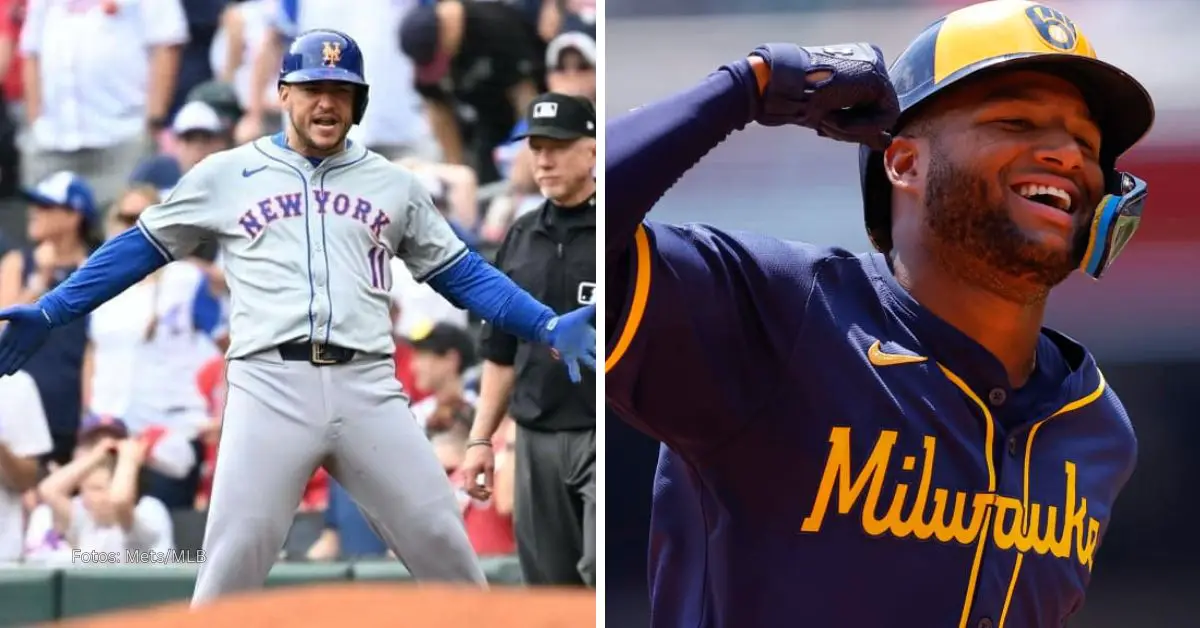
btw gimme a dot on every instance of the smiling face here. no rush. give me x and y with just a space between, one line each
320 115
1003 177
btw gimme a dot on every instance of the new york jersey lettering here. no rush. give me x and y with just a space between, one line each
291 205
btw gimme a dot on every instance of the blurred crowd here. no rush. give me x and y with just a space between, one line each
109 436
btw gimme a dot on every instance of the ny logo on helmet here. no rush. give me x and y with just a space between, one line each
1056 29
331 51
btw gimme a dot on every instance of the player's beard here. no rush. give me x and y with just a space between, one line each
977 239
318 148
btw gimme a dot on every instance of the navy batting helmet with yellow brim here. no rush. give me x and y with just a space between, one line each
1006 35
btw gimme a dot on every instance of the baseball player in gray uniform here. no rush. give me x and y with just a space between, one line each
306 223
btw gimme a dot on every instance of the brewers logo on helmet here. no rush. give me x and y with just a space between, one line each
326 55
1006 35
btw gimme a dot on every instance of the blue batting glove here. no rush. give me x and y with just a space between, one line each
573 337
27 329
841 91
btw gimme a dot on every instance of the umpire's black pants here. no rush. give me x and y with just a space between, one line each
554 514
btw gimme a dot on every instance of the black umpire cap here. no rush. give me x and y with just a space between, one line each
560 117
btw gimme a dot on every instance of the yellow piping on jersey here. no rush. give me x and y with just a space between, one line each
641 293
1074 405
990 435
1012 585
990 439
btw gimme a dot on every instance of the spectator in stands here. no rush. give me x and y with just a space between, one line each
24 437
100 78
479 64
242 34
203 19
199 132
210 381
42 543
562 16
160 172
196 132
117 329
396 129
455 192
347 535
489 521
108 514
223 99
146 346
570 70
12 17
440 357
61 217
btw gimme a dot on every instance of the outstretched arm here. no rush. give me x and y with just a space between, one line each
168 231
651 147
436 256
118 264
115 266
477 286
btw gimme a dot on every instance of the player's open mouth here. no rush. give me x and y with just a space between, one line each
1048 195
328 123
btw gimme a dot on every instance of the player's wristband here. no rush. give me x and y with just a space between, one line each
482 442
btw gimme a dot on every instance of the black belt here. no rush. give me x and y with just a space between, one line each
315 353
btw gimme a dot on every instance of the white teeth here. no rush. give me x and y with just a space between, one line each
1030 190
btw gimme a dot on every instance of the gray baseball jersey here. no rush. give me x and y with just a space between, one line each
305 248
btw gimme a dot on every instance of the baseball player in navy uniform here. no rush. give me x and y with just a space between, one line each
889 438
306 224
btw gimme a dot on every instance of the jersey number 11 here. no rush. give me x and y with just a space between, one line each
381 272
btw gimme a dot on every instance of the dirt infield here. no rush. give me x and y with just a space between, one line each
369 605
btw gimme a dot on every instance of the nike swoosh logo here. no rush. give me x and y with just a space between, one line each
246 172
877 357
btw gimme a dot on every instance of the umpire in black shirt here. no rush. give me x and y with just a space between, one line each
550 252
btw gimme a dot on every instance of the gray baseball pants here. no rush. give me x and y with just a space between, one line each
282 420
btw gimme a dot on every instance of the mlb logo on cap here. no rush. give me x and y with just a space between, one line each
560 117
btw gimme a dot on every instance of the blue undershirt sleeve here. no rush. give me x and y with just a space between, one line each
477 286
114 267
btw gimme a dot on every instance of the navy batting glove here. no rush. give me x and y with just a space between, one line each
573 337
27 329
842 91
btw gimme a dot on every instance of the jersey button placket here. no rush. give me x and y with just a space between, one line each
318 277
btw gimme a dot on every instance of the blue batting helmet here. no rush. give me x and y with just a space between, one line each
326 55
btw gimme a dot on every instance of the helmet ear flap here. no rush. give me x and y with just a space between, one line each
360 103
877 199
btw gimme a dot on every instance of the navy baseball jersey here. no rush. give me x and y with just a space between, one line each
836 455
